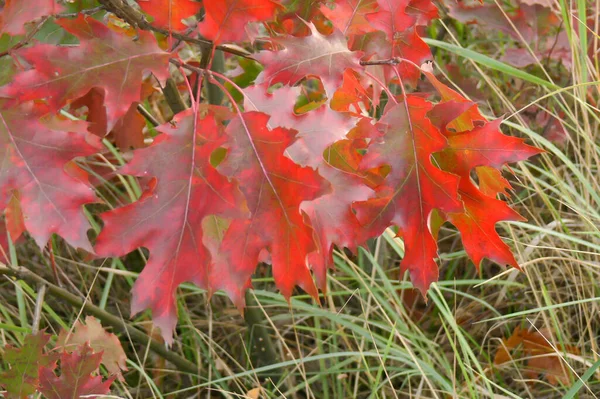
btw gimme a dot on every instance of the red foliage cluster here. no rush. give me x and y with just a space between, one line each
299 166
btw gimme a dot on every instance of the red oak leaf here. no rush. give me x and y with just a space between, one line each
477 225
326 212
392 17
76 379
274 187
103 59
16 13
423 11
167 219
483 146
36 159
350 16
413 188
225 20
326 57
317 129
168 14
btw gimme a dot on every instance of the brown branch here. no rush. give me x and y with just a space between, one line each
391 61
136 19
106 318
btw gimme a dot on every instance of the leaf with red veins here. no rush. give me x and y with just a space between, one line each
483 148
317 129
76 376
225 20
413 188
36 162
326 57
349 16
168 14
103 59
407 45
331 215
16 13
274 187
392 18
167 219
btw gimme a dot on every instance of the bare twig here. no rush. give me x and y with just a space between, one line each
88 11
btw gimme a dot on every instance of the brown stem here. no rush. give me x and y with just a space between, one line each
391 61
106 318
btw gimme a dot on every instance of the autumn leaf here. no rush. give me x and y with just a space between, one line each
326 57
93 334
274 187
22 378
539 355
103 59
225 20
483 148
167 219
37 163
391 18
350 16
327 212
317 129
17 13
76 379
413 188
168 14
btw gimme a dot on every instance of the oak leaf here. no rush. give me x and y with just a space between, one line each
99 340
167 219
274 187
103 59
22 378
225 20
17 13
37 163
413 188
326 57
76 379
168 14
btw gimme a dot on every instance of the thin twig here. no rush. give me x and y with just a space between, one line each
88 11
106 318
146 114
136 19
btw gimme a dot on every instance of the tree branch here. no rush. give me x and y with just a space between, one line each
136 19
106 318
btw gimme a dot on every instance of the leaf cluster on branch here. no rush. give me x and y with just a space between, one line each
329 145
